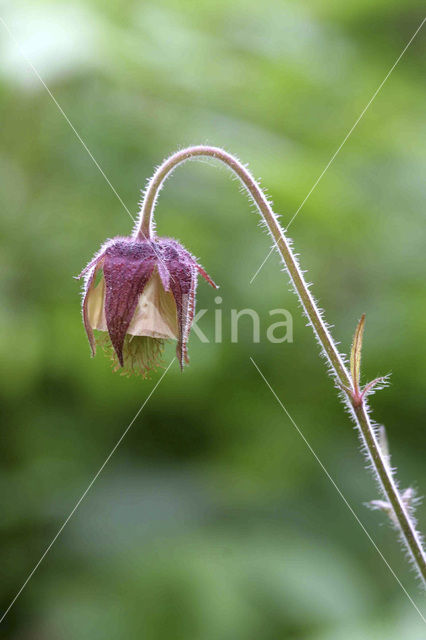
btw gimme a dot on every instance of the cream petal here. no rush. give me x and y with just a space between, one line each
155 314
96 306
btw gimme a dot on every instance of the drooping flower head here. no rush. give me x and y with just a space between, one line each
140 292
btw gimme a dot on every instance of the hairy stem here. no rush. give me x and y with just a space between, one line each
145 229
406 527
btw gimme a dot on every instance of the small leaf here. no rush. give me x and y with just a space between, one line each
370 386
356 353
383 443
379 505
382 505
409 498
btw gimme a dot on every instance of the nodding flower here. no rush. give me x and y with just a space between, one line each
140 293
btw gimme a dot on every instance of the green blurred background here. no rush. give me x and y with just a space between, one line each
212 521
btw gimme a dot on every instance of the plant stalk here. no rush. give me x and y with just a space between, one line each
145 229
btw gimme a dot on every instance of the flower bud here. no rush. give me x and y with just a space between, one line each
140 293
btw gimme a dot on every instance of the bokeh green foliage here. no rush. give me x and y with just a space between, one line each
212 520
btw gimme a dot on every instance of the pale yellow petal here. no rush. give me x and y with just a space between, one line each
155 314
96 306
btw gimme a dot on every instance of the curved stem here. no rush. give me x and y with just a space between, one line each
145 229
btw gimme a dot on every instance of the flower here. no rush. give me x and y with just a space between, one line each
140 293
